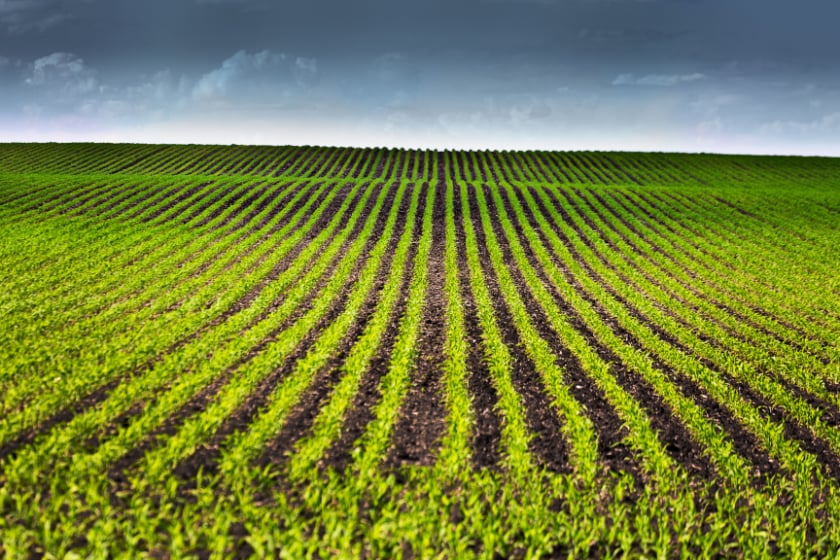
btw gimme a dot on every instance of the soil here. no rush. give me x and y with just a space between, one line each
300 420
173 201
487 432
676 438
103 392
687 386
744 442
81 198
361 411
206 456
422 418
548 444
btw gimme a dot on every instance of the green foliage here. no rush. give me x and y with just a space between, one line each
210 351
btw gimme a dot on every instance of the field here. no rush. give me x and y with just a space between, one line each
231 351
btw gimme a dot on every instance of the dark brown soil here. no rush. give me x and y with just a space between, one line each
134 210
37 194
136 161
302 154
74 204
421 421
361 411
251 226
677 440
245 166
752 450
396 163
548 444
631 243
300 420
619 169
487 432
794 345
102 392
831 413
556 170
172 201
271 201
423 413
361 163
337 164
263 161
240 204
105 206
411 166
319 164
661 202
206 456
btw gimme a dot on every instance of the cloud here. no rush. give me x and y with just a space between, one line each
526 113
63 74
829 123
19 16
62 87
152 98
260 76
656 80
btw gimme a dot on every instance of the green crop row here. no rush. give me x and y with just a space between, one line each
211 351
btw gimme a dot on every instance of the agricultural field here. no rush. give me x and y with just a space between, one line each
226 351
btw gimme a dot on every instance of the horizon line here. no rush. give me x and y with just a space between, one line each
427 148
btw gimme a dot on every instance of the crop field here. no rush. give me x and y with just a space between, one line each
226 351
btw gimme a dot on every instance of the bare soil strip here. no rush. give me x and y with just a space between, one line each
654 281
745 442
104 391
831 410
548 444
241 203
361 411
806 439
104 206
71 204
487 432
173 201
422 418
207 455
300 420
677 440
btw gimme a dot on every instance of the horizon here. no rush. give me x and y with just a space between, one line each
675 76
429 149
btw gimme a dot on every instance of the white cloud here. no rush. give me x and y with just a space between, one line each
63 88
153 98
260 76
829 123
656 80
527 113
234 70
64 74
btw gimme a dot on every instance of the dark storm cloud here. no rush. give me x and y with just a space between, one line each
728 75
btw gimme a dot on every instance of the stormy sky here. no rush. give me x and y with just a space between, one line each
743 76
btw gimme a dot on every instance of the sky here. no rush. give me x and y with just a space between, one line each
729 76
